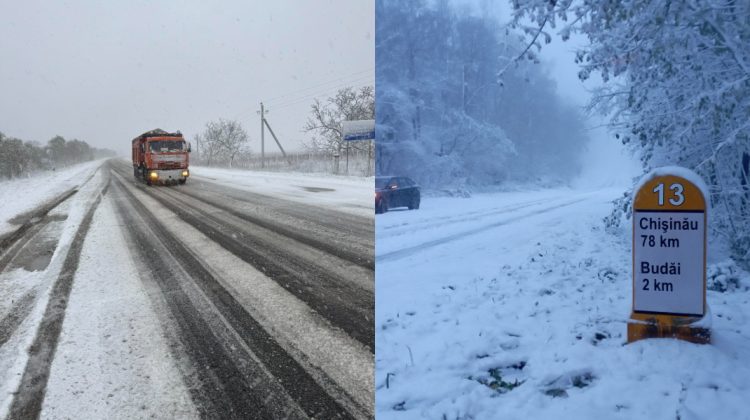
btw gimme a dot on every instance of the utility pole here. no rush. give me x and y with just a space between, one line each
262 134
263 125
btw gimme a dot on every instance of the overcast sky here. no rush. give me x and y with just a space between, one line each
105 71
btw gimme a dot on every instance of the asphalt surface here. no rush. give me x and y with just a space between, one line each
202 249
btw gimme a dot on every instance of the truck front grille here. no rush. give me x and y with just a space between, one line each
169 165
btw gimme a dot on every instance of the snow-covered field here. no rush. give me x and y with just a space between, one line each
333 190
514 306
23 194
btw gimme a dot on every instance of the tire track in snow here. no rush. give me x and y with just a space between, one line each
326 244
233 384
326 290
341 302
32 222
390 231
16 315
405 252
347 374
358 226
28 400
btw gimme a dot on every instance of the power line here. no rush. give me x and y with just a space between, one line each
366 80
318 92
321 84
307 98
361 83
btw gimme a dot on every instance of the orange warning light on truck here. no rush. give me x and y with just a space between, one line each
160 157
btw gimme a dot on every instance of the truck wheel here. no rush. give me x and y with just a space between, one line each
144 173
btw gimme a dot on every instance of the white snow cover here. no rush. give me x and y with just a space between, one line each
13 354
351 194
686 173
112 360
515 306
299 330
23 194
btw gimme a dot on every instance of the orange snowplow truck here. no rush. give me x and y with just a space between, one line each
160 157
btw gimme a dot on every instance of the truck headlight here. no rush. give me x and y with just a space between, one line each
154 175
185 173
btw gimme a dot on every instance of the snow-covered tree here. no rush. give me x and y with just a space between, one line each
445 118
20 158
677 86
222 141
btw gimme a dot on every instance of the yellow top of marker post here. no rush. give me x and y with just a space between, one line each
678 194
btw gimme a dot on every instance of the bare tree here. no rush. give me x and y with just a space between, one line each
223 140
325 120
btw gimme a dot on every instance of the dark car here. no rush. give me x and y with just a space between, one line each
395 191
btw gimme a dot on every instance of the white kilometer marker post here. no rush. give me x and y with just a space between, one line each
669 257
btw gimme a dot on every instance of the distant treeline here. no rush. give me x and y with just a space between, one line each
20 158
457 110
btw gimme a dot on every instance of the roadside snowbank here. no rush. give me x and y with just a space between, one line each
14 353
24 194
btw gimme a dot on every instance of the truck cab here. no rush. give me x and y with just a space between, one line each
160 157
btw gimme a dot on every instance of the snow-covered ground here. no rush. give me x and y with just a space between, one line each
514 306
333 190
24 194
117 355
32 286
103 358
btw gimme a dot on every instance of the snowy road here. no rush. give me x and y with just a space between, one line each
514 305
424 232
198 301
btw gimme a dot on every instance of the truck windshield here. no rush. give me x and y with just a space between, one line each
161 146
